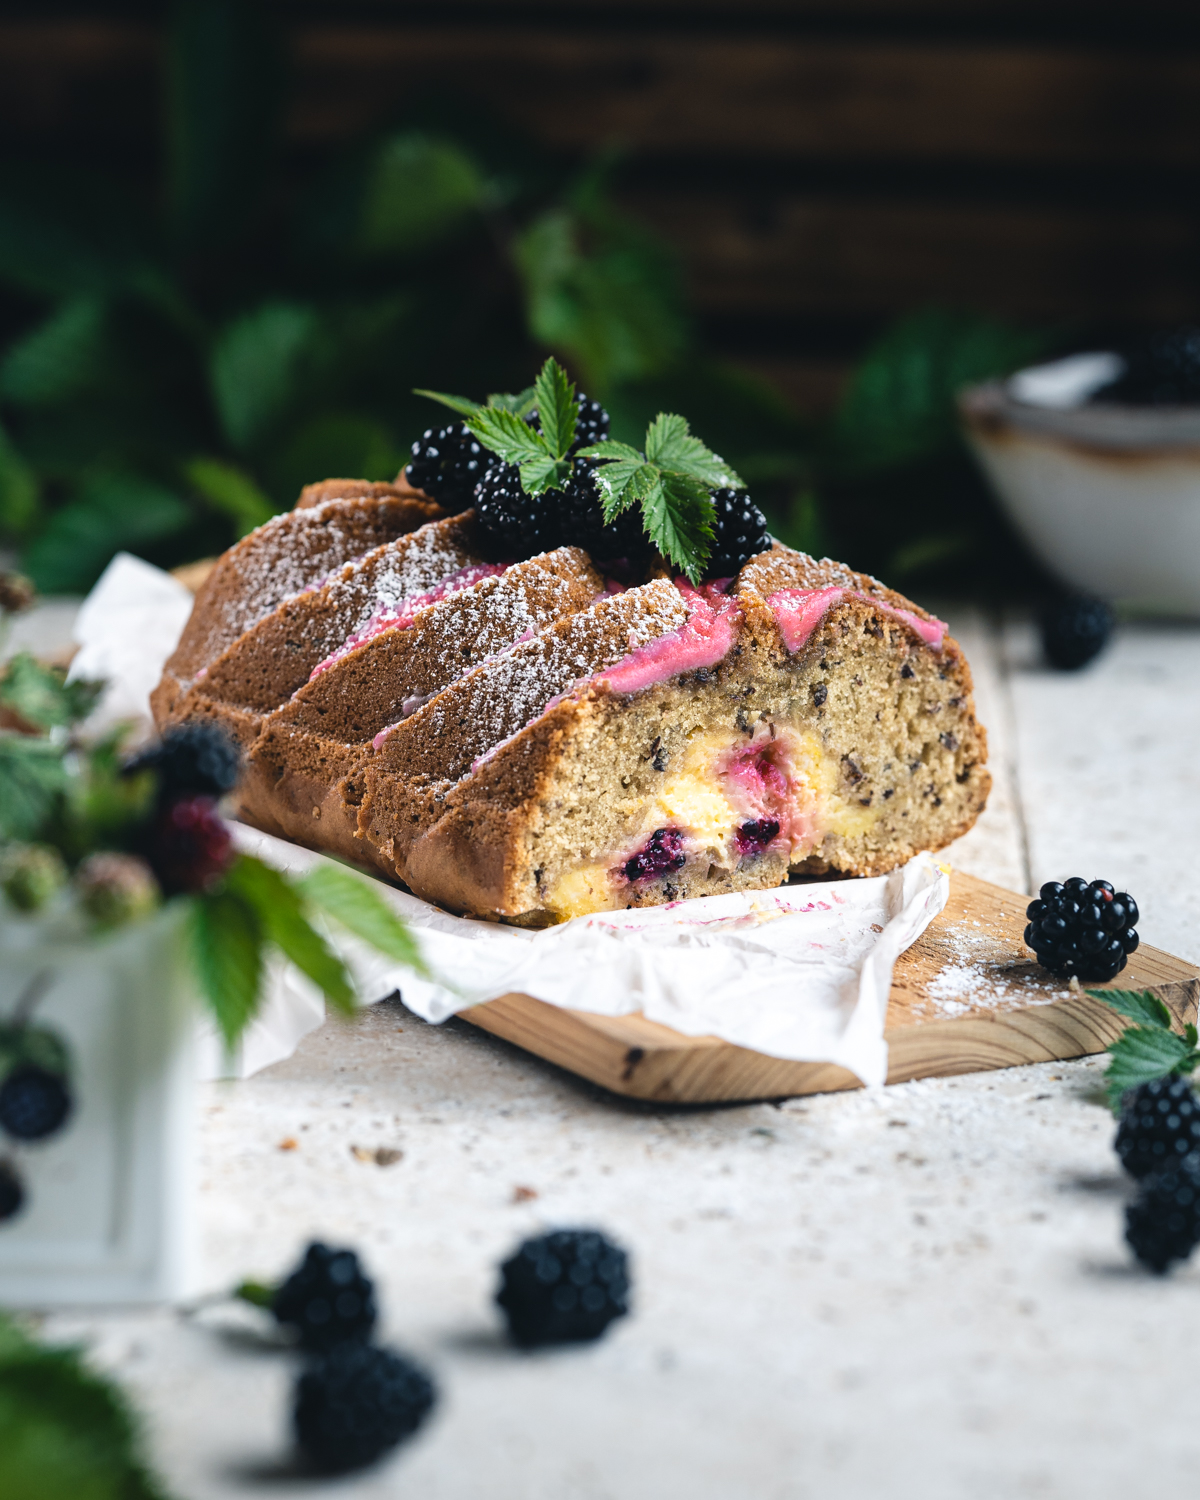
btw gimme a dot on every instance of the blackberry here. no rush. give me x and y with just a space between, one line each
512 524
659 855
564 1287
1075 631
190 846
328 1299
447 464
1082 929
582 521
1164 371
34 1103
356 1403
1162 1224
1160 1122
739 534
12 1192
194 760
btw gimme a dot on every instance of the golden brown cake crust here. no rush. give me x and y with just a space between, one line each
478 753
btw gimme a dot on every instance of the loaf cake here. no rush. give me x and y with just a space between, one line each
533 738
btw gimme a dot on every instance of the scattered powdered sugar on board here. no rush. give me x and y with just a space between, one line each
982 972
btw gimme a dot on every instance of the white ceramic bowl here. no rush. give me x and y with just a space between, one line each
1107 496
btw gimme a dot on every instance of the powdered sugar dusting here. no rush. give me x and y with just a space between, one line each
982 973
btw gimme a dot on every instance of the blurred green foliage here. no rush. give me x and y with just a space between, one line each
172 378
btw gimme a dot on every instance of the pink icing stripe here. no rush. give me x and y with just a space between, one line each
702 641
798 612
400 616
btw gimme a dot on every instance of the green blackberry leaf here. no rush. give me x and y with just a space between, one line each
557 410
33 776
281 912
523 402
670 445
227 941
42 696
612 450
461 404
1141 1054
545 474
679 518
624 483
1136 1005
352 901
504 433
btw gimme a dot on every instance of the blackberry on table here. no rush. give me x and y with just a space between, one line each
328 1299
116 888
740 533
12 1192
355 1404
564 1287
193 760
1160 1124
34 1103
1081 929
31 875
1164 371
1162 1224
1075 631
447 464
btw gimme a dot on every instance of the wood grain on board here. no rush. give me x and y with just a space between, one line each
966 997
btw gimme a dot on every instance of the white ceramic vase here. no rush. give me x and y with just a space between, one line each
109 1211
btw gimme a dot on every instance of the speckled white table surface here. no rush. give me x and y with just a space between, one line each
916 1292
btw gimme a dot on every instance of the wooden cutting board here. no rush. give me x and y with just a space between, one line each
966 997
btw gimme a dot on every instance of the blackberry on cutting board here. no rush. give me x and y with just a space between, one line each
564 1287
1081 929
1075 631
447 464
1162 1224
328 1299
1160 1124
355 1404
739 533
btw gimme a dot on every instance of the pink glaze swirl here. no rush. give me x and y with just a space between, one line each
701 641
400 616
798 612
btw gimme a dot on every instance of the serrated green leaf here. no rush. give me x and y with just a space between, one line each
33 776
230 490
351 901
42 696
611 450
670 445
557 410
227 940
60 358
521 404
461 404
109 513
545 474
503 432
258 368
1141 1054
679 519
1142 1006
624 483
280 910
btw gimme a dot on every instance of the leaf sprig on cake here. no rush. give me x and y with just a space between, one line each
670 482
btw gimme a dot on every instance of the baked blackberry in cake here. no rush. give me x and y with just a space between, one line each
528 738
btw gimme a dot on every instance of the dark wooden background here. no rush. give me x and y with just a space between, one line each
821 165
